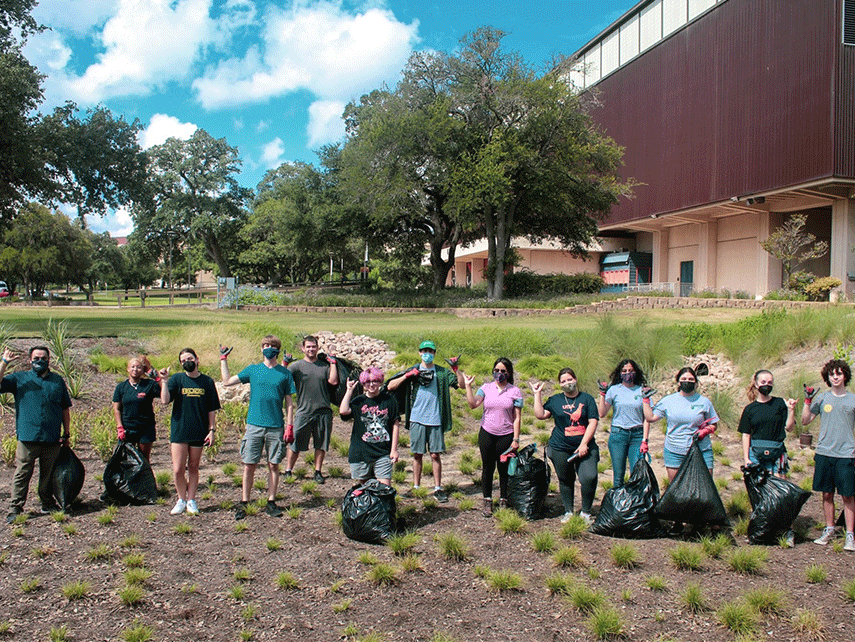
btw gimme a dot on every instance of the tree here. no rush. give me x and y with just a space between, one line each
194 196
93 162
787 242
42 247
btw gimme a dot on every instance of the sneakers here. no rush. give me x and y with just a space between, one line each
850 542
566 517
272 509
790 539
192 508
488 507
318 478
13 515
440 495
587 517
47 509
240 511
289 474
826 537
503 503
180 507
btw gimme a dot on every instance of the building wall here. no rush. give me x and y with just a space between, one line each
737 102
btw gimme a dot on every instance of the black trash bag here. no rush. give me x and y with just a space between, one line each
68 476
128 478
368 512
347 369
629 511
775 504
529 485
693 497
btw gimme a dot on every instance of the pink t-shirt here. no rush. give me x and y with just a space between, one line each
498 417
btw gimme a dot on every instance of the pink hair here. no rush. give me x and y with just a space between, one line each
371 373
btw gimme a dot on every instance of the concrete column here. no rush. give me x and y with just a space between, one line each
769 269
705 278
842 240
660 255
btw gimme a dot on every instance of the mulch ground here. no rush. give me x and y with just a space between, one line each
215 582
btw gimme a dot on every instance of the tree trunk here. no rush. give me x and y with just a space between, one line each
490 229
216 254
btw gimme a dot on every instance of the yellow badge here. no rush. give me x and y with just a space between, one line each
826 407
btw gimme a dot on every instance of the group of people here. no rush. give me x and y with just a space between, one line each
421 394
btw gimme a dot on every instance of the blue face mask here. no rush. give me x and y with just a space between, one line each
270 353
39 365
427 357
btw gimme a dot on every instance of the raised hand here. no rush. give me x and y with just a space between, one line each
454 362
603 386
225 352
468 379
412 372
810 392
647 392
536 387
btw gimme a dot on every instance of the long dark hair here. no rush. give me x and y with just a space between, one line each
507 363
640 379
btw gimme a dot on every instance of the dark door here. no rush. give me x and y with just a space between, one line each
686 277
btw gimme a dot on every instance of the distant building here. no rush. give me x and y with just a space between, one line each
734 115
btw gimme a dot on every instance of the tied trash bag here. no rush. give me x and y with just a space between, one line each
529 485
68 476
128 478
347 369
628 511
693 497
368 512
775 504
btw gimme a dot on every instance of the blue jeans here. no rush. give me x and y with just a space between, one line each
624 443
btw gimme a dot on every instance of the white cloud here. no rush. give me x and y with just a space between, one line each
271 154
325 123
77 16
320 48
116 222
263 125
162 127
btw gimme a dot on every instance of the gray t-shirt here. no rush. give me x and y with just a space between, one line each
310 379
837 419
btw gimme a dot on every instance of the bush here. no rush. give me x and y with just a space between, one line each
697 338
784 294
527 283
819 289
250 295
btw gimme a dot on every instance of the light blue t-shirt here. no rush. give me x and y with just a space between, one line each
425 409
627 411
684 416
268 388
837 418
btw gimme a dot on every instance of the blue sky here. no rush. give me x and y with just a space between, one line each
271 77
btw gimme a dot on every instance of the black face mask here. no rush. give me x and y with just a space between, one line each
39 365
764 390
687 386
189 366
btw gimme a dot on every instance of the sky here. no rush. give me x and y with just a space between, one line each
272 77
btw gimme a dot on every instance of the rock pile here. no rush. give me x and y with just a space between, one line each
723 374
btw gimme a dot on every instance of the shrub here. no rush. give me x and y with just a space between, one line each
737 617
748 561
693 598
585 598
819 289
687 557
504 581
606 623
452 547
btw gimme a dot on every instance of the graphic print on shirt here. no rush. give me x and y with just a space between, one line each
574 411
374 419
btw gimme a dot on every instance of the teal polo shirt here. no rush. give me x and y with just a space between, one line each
39 402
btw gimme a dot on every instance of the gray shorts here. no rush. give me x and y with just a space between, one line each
258 439
318 426
382 469
426 439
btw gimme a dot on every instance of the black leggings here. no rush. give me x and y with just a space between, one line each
586 469
492 446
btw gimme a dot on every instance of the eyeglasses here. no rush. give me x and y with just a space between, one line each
373 381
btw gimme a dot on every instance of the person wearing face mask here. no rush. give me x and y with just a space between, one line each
42 425
313 377
500 427
629 430
572 447
688 415
834 462
133 406
270 384
427 410
194 414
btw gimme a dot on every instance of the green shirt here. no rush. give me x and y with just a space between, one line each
39 402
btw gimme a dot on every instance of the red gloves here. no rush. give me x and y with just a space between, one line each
603 386
646 393
412 372
643 448
120 433
454 362
288 358
224 352
289 434
706 429
810 393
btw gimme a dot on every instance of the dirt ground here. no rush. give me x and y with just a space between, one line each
216 582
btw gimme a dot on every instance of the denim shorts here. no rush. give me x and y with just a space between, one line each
382 469
673 460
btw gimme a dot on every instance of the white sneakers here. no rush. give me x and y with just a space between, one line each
192 509
180 507
826 537
850 542
589 519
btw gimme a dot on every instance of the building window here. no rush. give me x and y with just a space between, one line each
849 22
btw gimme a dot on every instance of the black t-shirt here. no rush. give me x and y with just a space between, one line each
192 400
571 416
765 420
137 411
373 419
